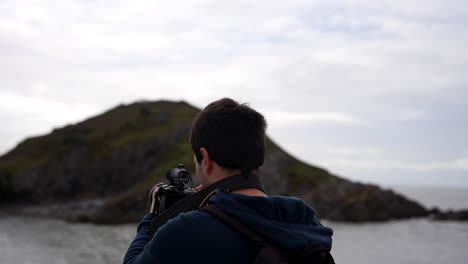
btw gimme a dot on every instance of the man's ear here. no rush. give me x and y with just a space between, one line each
207 163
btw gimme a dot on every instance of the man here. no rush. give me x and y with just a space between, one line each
228 139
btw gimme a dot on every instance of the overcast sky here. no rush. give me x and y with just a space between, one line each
376 91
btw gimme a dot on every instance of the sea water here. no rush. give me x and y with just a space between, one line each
50 241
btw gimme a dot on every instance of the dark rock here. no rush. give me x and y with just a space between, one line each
450 215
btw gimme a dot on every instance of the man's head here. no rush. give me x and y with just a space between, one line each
228 135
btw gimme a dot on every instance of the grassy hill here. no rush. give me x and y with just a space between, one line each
101 170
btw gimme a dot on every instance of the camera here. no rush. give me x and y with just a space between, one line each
180 186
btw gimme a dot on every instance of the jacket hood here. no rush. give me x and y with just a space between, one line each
284 221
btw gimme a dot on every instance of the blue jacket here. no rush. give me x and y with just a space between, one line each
198 237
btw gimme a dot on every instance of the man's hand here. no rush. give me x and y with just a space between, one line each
153 199
154 203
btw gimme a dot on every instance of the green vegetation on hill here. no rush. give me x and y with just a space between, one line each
117 156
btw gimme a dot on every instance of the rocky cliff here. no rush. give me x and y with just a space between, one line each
101 170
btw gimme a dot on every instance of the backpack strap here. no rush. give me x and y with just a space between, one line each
323 254
235 224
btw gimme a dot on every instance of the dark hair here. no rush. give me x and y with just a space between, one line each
232 133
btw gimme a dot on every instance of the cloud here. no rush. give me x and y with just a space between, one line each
39 107
350 69
460 164
348 151
286 118
27 116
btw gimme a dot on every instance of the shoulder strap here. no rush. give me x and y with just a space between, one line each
235 224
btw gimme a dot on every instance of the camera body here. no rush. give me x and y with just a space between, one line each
180 186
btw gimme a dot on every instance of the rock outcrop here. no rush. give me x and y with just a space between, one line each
449 215
101 170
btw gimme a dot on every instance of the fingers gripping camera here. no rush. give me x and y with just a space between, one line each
163 195
153 198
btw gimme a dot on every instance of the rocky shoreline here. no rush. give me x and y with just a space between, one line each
449 215
87 212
